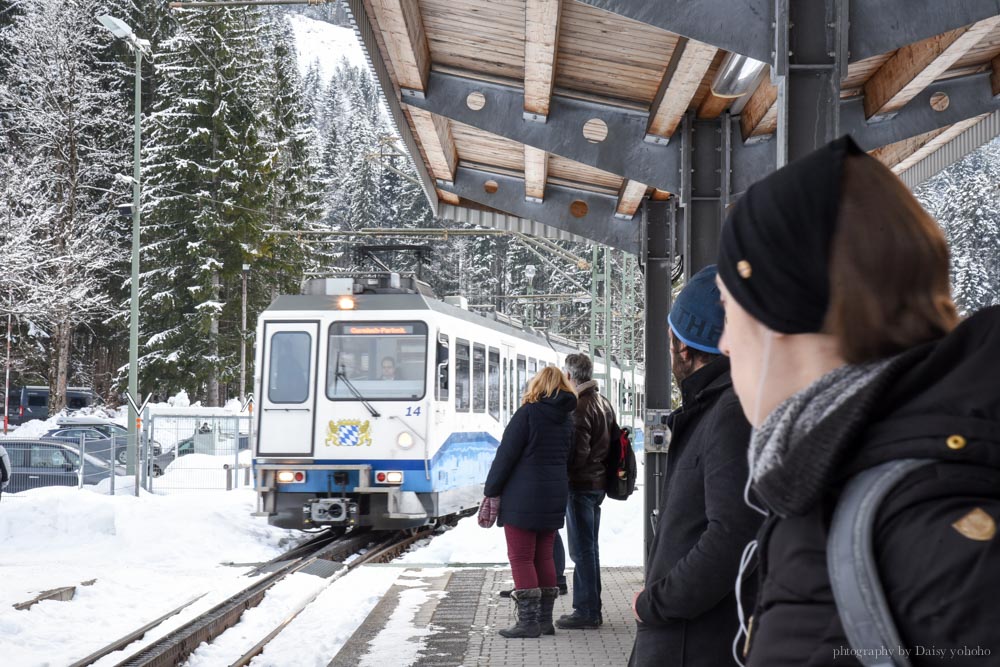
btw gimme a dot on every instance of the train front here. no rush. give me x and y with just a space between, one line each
345 398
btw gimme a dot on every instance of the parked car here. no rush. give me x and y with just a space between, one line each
13 405
182 448
33 402
37 463
99 435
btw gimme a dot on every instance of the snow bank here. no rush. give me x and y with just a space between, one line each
148 554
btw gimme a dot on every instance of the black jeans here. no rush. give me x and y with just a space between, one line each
559 557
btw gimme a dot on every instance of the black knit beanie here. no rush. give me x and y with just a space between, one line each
774 256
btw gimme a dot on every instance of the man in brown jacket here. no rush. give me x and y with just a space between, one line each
586 493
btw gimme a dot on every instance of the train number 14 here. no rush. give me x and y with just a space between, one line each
413 412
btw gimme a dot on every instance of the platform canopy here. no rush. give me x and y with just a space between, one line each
570 113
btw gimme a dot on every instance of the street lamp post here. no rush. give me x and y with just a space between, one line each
121 30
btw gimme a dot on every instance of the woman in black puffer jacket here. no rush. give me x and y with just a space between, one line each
847 353
530 476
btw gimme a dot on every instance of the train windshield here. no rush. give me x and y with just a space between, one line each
382 360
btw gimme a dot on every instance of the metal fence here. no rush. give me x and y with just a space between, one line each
197 452
37 463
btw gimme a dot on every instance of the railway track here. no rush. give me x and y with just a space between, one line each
324 555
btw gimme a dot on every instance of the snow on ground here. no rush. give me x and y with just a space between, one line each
621 538
315 637
325 44
148 555
400 641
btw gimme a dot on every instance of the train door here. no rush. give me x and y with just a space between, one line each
288 401
508 383
442 384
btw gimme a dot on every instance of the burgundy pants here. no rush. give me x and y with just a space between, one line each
530 556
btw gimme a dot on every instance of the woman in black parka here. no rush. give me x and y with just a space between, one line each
847 353
530 476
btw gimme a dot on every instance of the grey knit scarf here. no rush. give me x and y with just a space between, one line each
794 452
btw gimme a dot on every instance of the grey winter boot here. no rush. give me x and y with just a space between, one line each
528 610
549 596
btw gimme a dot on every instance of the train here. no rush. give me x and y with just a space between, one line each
381 405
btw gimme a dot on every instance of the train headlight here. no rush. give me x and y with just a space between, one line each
345 303
290 476
404 440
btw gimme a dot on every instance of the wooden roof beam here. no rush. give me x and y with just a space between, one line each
995 76
435 137
541 40
629 199
406 43
760 115
688 66
536 172
403 33
915 66
935 142
713 106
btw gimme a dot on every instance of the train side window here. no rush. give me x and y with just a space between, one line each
478 378
441 364
288 374
494 383
532 368
522 379
462 376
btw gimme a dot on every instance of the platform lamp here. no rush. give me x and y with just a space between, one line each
122 31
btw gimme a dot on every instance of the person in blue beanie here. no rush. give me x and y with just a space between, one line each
687 612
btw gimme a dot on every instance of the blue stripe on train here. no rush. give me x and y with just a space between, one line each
463 459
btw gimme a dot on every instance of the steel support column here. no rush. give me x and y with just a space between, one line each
600 313
703 192
809 61
658 224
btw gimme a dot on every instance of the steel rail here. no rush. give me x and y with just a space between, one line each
176 646
390 549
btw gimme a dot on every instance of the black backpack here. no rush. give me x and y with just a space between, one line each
620 466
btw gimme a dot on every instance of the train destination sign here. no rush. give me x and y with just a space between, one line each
380 330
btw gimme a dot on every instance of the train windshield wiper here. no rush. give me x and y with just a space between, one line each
354 390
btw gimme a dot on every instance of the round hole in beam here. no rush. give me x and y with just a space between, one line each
475 101
491 187
595 130
940 101
578 209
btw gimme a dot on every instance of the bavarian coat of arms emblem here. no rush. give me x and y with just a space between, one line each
348 433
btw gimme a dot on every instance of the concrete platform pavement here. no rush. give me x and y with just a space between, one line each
449 617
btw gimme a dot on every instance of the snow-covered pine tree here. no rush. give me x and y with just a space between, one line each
208 163
965 199
294 201
67 151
